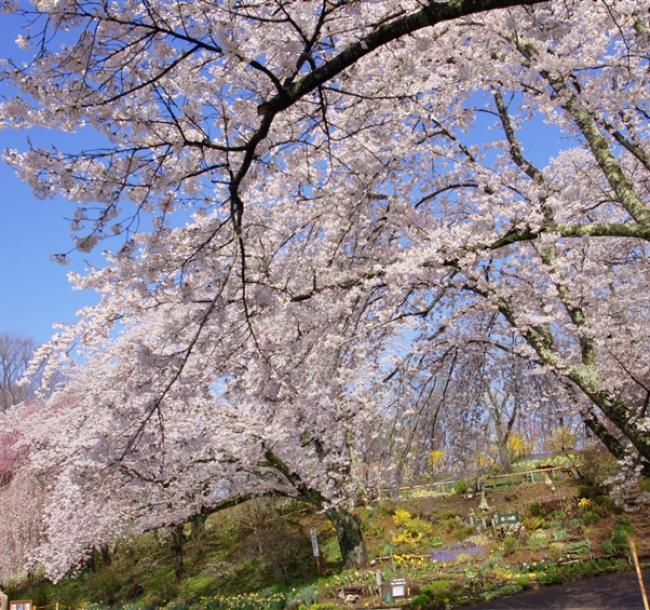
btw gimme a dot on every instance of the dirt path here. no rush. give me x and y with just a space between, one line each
608 592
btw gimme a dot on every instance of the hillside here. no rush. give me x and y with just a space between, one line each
258 555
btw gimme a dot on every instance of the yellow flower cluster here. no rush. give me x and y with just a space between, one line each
505 573
401 517
484 460
243 601
436 457
519 446
410 561
407 537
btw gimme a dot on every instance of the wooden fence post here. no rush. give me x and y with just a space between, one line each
639 573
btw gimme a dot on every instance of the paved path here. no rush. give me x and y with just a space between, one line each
608 592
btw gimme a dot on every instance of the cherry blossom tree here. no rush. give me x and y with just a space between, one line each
195 455
471 399
320 206
22 497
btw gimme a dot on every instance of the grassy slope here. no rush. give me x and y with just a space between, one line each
254 548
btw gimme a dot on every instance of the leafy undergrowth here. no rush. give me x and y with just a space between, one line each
258 556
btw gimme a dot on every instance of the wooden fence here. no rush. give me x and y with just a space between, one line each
450 486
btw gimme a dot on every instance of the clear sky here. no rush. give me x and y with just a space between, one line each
35 292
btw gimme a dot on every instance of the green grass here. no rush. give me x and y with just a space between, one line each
254 555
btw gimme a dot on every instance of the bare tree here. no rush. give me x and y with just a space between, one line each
503 411
15 352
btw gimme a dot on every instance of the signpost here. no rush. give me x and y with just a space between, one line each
398 587
315 550
21 604
506 519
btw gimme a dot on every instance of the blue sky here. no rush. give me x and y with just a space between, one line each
35 291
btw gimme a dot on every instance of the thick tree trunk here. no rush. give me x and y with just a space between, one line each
497 408
178 538
586 378
349 536
348 526
613 445
504 456
106 554
616 412
198 525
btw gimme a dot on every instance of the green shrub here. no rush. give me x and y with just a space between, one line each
537 544
555 574
463 531
387 549
590 517
103 587
539 539
595 467
461 487
522 581
323 606
181 604
587 491
436 588
617 543
533 523
559 534
509 545
307 596
152 602
420 601
331 550
556 550
246 601
605 505
535 509
509 589
39 593
198 586
502 591
580 547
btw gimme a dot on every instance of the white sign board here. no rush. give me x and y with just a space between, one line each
398 587
314 543
399 590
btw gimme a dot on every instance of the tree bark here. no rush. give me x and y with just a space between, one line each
495 408
504 456
107 559
198 524
349 536
178 538
348 526
586 378
613 445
